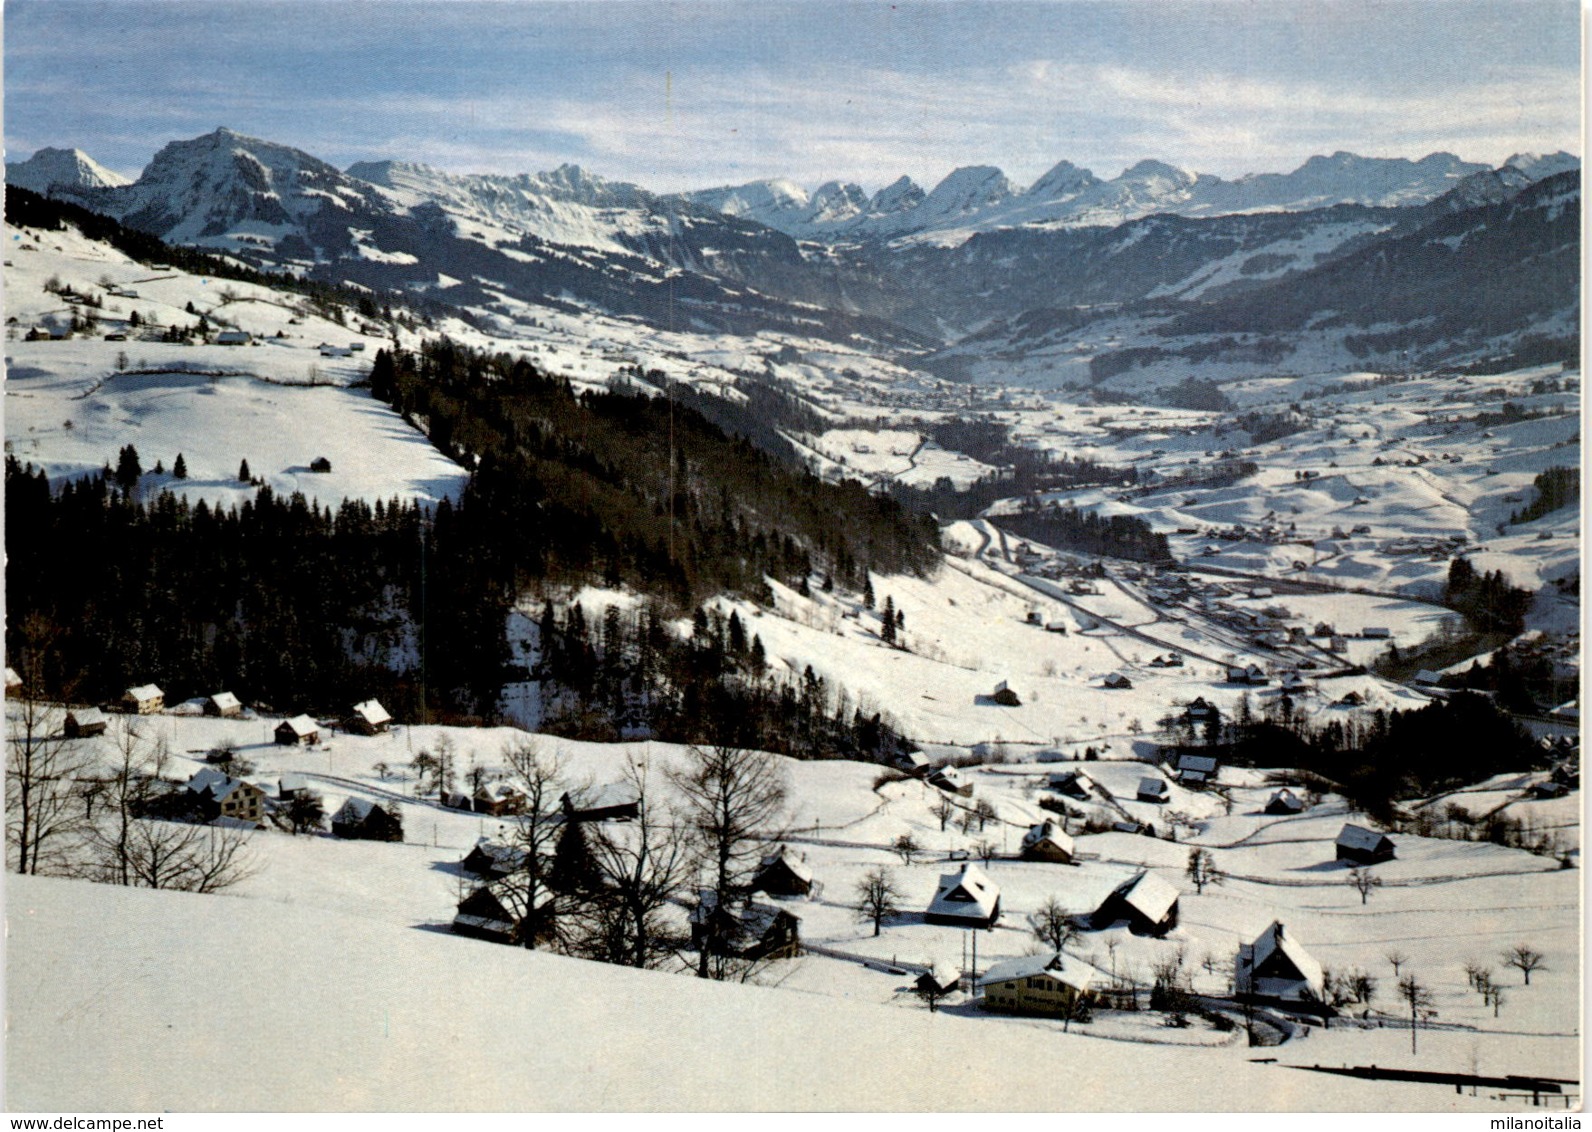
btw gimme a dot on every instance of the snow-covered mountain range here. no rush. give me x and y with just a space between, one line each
981 198
61 168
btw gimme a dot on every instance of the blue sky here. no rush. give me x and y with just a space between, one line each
692 94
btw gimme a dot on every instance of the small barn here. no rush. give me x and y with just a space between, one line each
1285 802
493 859
1200 714
233 338
784 872
1376 633
1361 846
1073 783
952 780
320 465
367 718
1153 788
1147 902
223 705
915 763
290 786
146 699
1005 695
1351 699
1196 770
360 819
968 899
1047 841
1117 680
481 915
80 723
301 729
618 801
1275 968
940 979
1050 984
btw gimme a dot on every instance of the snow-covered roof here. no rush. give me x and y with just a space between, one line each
793 861
969 894
950 774
1286 797
1358 837
1063 968
1428 676
144 692
1118 680
208 778
372 713
501 853
497 791
87 715
1051 832
225 701
1152 786
354 810
1201 764
607 797
12 679
1276 938
1149 895
292 782
301 725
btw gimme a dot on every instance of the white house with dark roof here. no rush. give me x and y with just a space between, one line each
1050 983
967 899
1276 967
223 705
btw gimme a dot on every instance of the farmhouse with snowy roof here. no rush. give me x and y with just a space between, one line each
498 798
1153 788
1284 802
1005 695
1195 770
1051 984
219 795
367 718
1147 902
618 801
1117 680
360 819
233 338
784 872
1047 841
299 729
1275 968
746 929
493 859
1362 846
968 899
146 699
223 705
481 915
951 779
1073 783
81 723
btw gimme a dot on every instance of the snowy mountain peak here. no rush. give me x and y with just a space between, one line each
1150 170
1064 181
1540 165
900 195
65 169
968 189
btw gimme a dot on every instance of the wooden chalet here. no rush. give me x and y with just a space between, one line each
145 699
1153 788
968 899
223 705
784 873
748 929
1276 969
81 723
290 786
1284 802
481 915
1052 984
938 980
367 718
1195 770
1361 846
360 819
1073 783
1117 680
952 780
301 729
1047 841
219 796
233 338
492 859
1147 902
618 801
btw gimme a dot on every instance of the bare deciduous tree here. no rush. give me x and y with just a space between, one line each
1365 882
1524 959
1419 999
1202 870
877 897
731 800
43 772
1052 924
1396 959
906 847
526 892
944 810
646 863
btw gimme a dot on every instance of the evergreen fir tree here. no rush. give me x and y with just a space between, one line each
243 472
887 624
128 468
867 593
179 470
